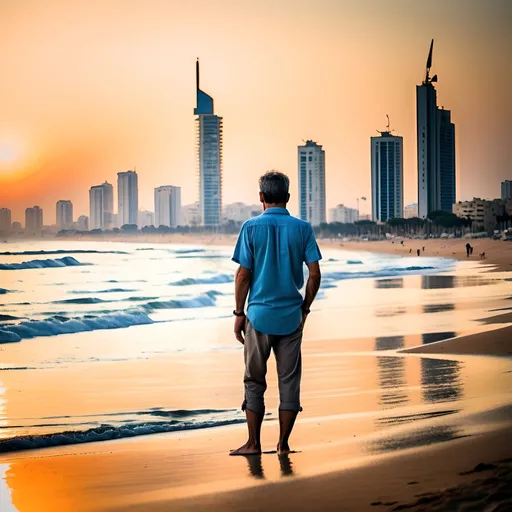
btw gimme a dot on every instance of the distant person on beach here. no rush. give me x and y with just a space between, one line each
418 252
468 249
271 251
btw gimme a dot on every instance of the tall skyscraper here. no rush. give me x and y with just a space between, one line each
96 207
506 189
209 157
101 206
168 206
33 218
311 161
127 197
5 220
436 149
108 205
387 176
64 214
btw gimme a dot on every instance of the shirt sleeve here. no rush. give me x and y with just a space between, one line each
312 252
244 254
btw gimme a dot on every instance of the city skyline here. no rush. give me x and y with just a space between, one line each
127 98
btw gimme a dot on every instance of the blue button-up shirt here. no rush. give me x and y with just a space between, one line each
275 246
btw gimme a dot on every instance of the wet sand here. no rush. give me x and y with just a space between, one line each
362 438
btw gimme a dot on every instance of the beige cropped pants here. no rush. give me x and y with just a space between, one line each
287 351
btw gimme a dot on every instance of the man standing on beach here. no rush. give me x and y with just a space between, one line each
271 251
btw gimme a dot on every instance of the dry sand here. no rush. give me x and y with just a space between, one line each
494 342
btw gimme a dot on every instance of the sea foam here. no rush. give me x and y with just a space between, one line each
55 326
217 279
106 432
67 261
60 251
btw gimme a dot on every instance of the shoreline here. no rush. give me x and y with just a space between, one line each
498 253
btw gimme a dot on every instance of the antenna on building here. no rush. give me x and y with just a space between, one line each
388 129
429 80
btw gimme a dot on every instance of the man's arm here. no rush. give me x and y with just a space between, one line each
312 286
242 284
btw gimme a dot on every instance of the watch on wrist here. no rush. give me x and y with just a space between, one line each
238 313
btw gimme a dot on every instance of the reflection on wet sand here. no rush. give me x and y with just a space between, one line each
443 282
438 308
393 384
392 378
431 337
286 465
415 438
389 283
408 418
441 380
389 342
255 466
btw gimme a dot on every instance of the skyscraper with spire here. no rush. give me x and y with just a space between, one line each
209 157
436 148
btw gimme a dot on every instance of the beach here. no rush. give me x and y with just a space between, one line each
129 399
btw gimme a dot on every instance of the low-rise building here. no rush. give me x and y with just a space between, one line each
411 211
146 218
343 214
83 223
240 212
191 215
481 211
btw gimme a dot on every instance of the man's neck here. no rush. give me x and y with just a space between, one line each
266 206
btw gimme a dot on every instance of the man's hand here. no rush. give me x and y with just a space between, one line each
240 328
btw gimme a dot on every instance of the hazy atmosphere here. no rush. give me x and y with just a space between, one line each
93 88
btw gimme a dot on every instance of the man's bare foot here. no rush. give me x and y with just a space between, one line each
283 449
247 449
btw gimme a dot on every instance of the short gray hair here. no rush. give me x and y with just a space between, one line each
275 186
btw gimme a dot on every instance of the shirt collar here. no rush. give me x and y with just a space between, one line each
277 210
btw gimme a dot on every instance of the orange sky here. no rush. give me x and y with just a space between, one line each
91 88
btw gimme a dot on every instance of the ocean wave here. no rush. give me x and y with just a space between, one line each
384 272
110 290
81 300
205 256
186 251
127 281
354 262
67 261
217 279
207 299
7 318
60 251
106 432
55 326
